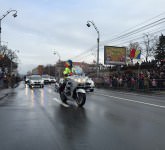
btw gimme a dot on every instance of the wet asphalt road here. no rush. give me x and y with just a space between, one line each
35 119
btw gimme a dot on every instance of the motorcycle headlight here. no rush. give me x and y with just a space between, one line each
83 80
79 80
76 80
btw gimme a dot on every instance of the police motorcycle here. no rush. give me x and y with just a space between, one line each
57 86
74 87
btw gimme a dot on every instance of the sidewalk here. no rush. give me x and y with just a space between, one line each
159 92
4 92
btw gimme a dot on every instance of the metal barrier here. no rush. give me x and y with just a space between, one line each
131 84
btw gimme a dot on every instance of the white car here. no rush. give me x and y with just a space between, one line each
52 79
90 85
46 79
36 81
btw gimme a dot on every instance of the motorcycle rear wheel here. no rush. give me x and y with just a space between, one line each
81 98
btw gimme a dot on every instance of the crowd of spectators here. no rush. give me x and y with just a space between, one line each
147 76
8 81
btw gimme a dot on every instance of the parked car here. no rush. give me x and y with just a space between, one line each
36 81
46 79
90 85
52 79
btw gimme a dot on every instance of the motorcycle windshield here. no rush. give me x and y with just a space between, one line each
78 70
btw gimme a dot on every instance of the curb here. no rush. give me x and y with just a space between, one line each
5 95
159 93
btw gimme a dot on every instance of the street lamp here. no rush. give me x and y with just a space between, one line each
3 16
56 53
98 39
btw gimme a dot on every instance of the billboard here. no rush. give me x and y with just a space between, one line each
114 55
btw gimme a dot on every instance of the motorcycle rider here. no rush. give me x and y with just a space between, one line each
68 68
67 72
69 89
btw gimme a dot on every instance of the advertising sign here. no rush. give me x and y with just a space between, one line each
114 55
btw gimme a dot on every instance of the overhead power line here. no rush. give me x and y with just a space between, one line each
135 38
144 22
86 55
143 28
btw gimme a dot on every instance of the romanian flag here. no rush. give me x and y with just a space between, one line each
135 54
132 53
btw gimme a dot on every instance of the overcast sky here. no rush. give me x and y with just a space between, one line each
45 25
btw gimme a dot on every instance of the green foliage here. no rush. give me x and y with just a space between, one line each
160 51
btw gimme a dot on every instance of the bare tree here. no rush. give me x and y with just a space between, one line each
9 58
150 44
12 55
3 50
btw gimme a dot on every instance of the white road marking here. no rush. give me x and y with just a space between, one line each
49 90
60 102
129 93
130 100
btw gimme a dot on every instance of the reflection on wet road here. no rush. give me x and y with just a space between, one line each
37 119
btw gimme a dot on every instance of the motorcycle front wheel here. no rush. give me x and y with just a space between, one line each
63 97
81 98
